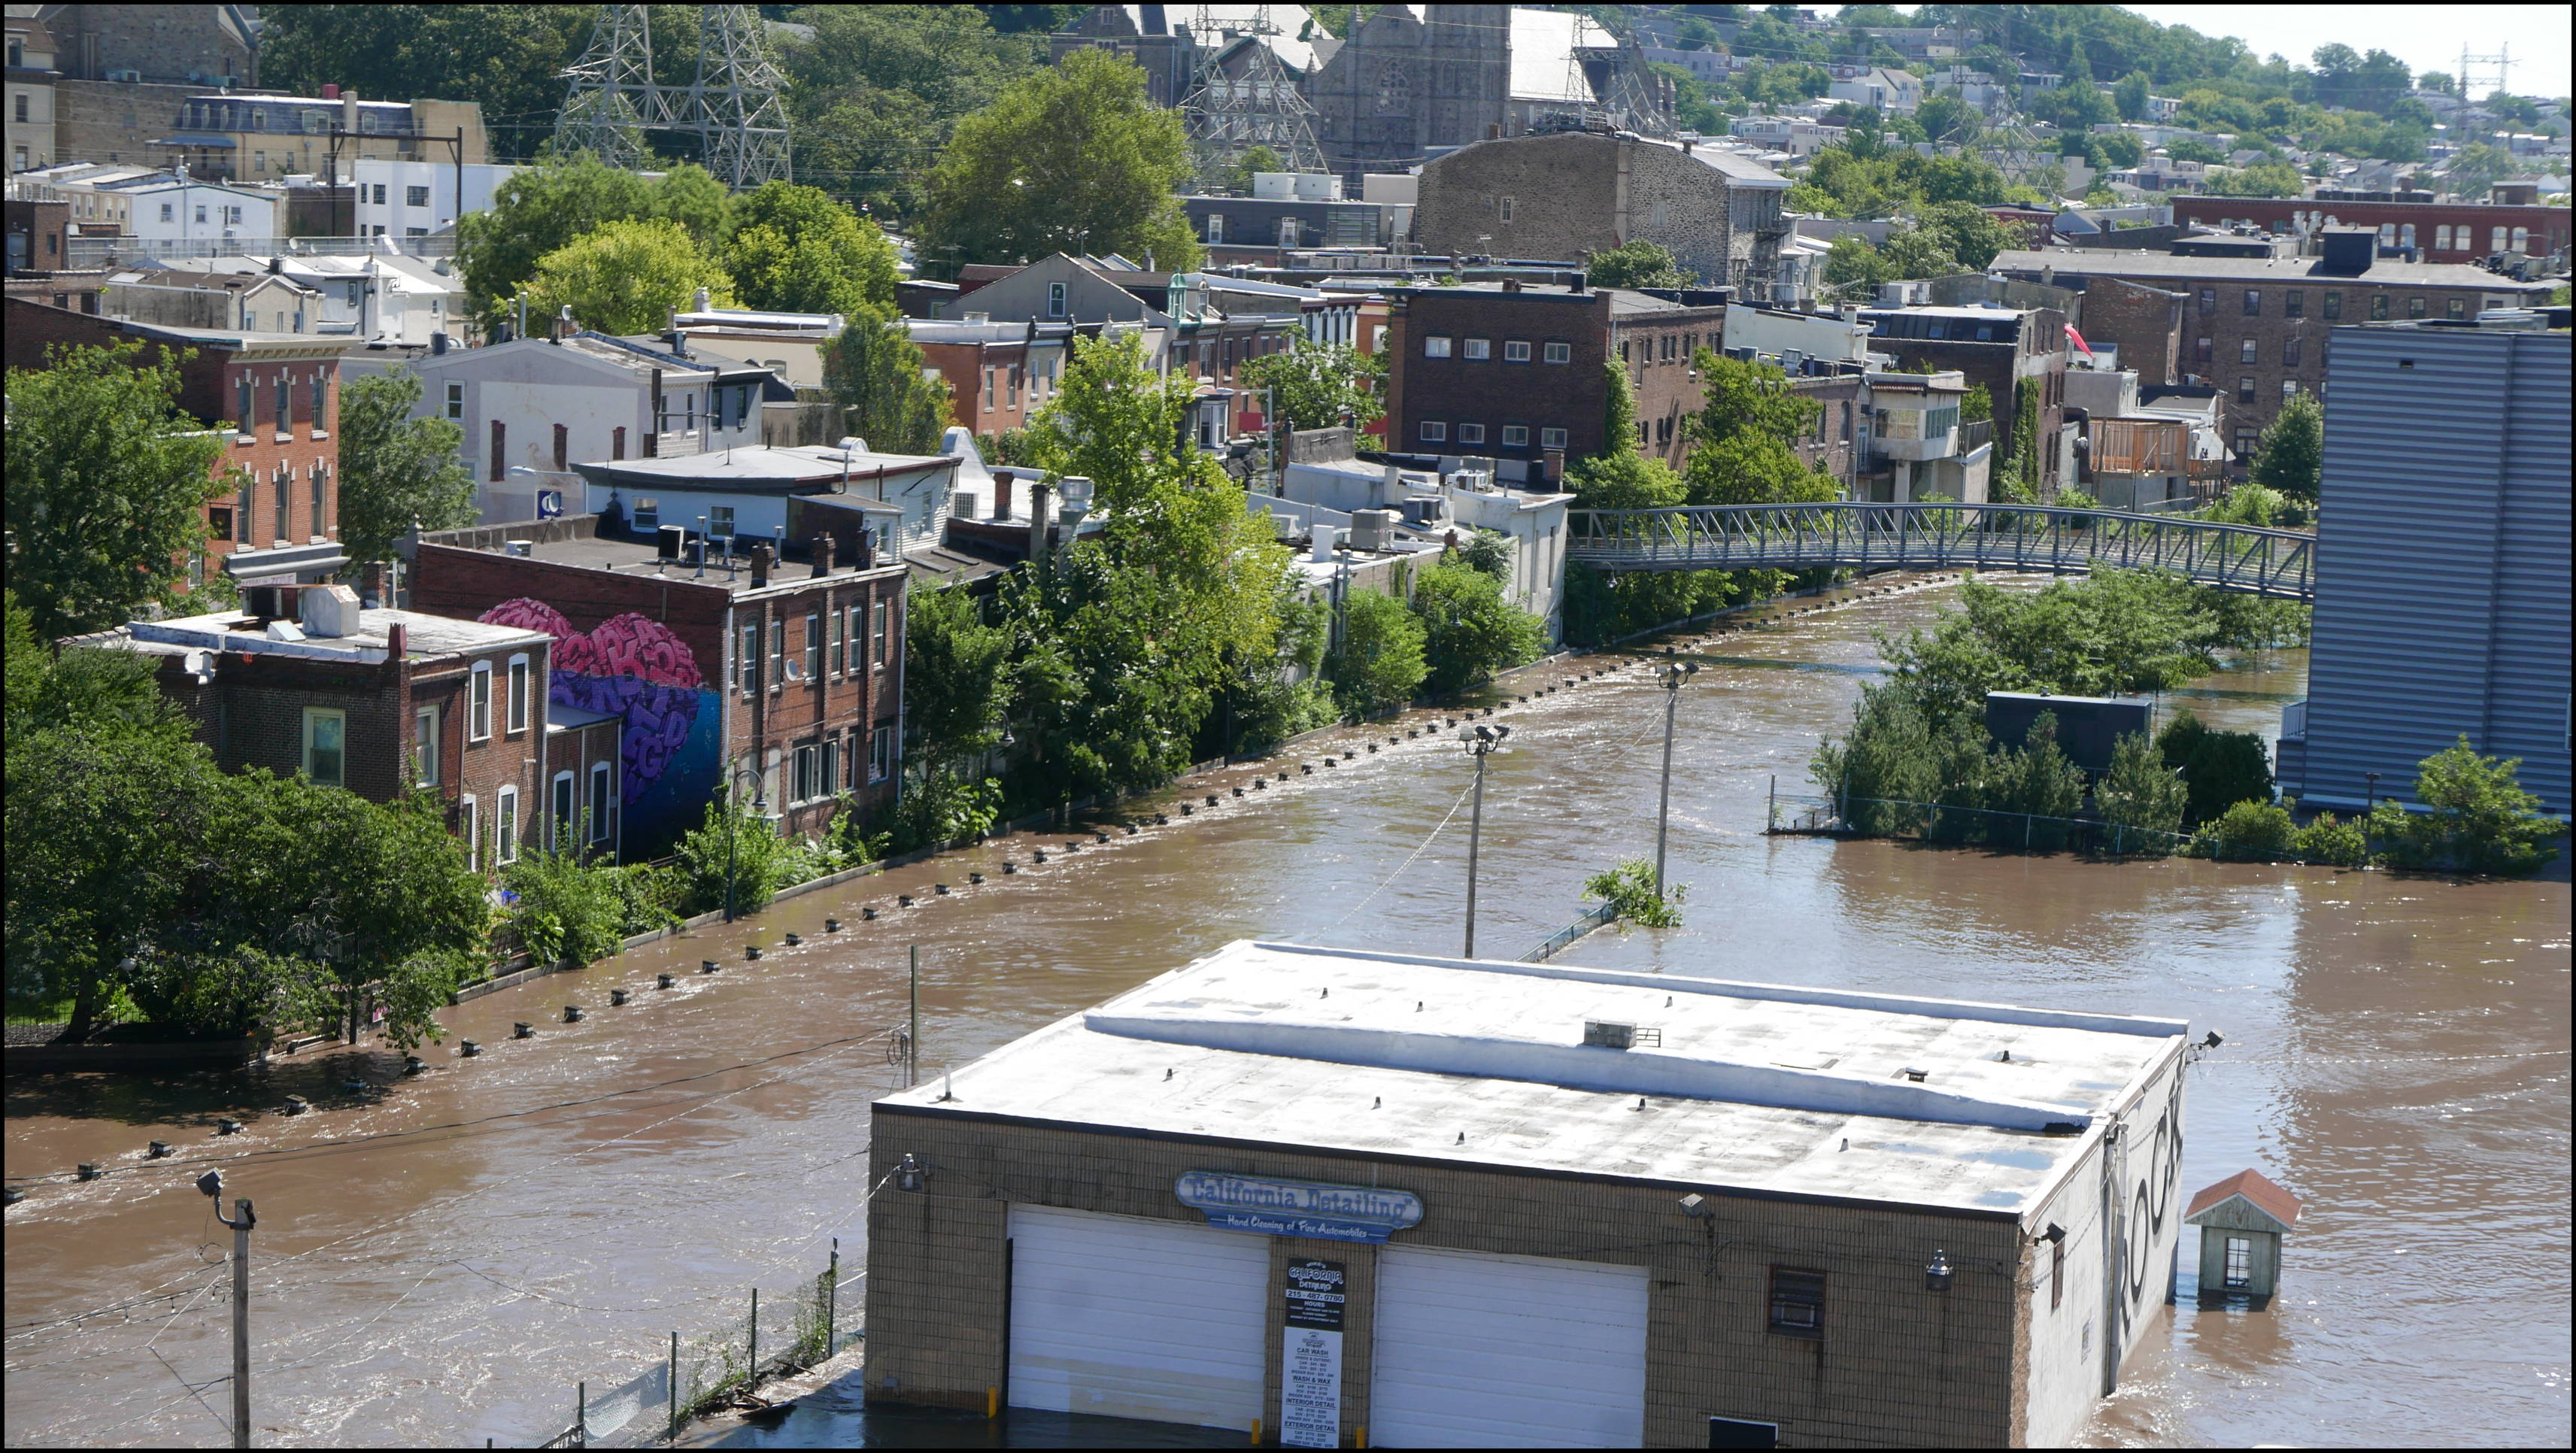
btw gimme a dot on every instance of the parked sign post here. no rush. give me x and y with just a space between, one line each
1310 1377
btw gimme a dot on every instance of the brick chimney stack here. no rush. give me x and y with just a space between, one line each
822 554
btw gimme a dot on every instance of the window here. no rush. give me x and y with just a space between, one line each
1434 431
478 703
617 450
321 390
2406 235
2457 308
2294 304
285 477
1559 353
415 196
809 773
2245 390
2289 387
1055 300
1506 216
1847 421
1471 433
836 652
1435 346
2442 238
1551 438
2522 239
505 827
2415 307
777 652
2201 349
2245 350
2334 305
1797 1302
326 742
20 102
1516 436
603 802
720 522
2253 302
2240 1262
2290 352
2056 1273
987 392
881 756
559 831
1216 227
380 194
469 821
813 647
563 449
518 704
1515 350
884 626
2379 307
321 475
2498 235
749 659
456 401
499 436
828 753
1669 341
1478 348
854 625
2208 301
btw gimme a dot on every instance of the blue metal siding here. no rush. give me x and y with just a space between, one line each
2442 559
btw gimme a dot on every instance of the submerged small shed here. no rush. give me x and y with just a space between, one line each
2242 1220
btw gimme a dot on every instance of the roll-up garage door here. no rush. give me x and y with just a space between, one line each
1133 1318
1475 1351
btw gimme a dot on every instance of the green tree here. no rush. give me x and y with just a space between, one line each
1254 161
2131 96
879 89
397 471
734 843
2475 168
2479 818
1887 766
2293 449
1074 157
1638 264
2262 179
507 57
1743 436
956 681
108 485
796 250
1380 663
2120 150
2036 780
1968 234
1947 118
566 908
1630 887
2249 831
2219 769
876 374
546 207
1320 385
626 277
1469 630
2140 795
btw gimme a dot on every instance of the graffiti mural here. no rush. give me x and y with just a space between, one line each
633 667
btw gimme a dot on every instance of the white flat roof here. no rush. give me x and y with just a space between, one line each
1759 1087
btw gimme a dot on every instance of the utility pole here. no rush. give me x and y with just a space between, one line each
912 1034
212 1183
1482 741
1674 673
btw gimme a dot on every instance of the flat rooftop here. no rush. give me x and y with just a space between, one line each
643 557
762 468
425 637
1764 1088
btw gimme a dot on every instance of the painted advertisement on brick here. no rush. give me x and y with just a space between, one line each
633 667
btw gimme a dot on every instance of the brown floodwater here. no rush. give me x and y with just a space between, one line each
2396 1053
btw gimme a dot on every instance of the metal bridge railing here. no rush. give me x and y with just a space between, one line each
2240 558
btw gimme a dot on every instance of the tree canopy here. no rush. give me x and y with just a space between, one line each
545 207
1320 385
397 471
1638 264
875 372
794 249
626 277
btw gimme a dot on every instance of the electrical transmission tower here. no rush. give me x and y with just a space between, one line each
2490 69
1256 104
737 104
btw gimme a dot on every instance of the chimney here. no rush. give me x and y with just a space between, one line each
349 110
1001 494
330 90
397 643
1037 519
823 554
1555 465
702 300
1511 285
760 562
1493 131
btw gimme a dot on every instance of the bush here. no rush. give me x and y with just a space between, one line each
1887 763
2259 830
565 908
2219 769
2479 818
2036 780
1469 631
1380 662
1630 887
2328 841
2140 795
733 834
940 808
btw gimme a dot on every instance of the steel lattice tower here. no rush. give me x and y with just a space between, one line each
737 103
1259 105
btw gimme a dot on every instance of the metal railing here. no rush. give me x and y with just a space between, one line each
1555 943
1976 434
2241 558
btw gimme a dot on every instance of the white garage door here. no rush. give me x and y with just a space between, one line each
1507 1352
1131 1318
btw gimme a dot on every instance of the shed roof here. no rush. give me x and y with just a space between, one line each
2258 1192
1773 1089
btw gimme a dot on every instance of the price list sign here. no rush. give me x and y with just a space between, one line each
1310 1383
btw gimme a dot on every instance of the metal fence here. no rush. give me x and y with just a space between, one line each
773 1336
1939 822
1557 942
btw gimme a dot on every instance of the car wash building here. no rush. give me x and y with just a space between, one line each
1333 1198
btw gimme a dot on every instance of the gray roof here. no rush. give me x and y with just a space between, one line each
758 468
2386 272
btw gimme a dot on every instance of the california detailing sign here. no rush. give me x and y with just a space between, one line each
1310 1351
1298 1208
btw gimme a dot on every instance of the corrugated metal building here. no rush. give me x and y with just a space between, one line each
2442 561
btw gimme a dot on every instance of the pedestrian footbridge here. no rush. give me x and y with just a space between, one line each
2242 558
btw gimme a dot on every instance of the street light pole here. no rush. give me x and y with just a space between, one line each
212 1184
759 804
1674 673
1481 743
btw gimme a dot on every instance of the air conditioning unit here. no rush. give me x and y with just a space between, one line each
1372 529
130 78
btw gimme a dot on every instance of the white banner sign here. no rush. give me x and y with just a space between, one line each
1310 1380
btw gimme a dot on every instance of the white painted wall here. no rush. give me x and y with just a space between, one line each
397 216
202 211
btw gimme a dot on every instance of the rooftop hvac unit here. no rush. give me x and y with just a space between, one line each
521 548
1372 529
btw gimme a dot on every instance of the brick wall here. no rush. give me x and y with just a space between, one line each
1897 1364
2146 324
1659 350
2037 352
1492 393
2470 226
1832 444
116 121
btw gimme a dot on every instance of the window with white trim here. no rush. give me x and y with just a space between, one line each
1478 348
518 705
1558 353
1516 436
1435 346
1055 300
777 652
505 827
1516 350
813 646
1435 431
424 745
1551 438
478 703
469 822
326 745
749 659
881 754
884 627
1471 433
603 802
561 832
809 772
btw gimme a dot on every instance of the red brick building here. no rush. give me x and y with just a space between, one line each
275 396
378 701
2444 231
998 374
1520 372
792 670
